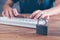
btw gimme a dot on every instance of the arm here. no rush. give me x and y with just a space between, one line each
49 12
8 11
55 10
9 3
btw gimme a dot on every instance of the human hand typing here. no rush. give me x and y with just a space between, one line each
10 13
39 14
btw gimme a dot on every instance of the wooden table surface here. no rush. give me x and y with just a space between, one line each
18 33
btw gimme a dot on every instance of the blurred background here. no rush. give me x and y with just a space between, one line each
2 2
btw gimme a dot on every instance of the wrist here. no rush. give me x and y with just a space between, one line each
48 12
6 7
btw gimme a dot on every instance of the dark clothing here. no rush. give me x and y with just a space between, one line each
28 6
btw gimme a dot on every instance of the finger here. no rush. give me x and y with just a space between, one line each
3 14
37 16
46 17
34 14
15 12
11 15
7 14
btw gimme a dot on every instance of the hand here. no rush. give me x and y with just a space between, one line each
10 13
39 14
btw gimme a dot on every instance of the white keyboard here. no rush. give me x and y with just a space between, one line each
24 22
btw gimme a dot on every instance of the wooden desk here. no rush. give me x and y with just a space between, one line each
18 33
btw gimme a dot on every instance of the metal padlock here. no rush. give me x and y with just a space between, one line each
42 27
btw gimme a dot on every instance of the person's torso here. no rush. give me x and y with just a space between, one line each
28 6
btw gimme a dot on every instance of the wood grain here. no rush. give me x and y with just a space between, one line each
8 32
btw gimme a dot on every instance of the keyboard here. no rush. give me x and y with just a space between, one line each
24 22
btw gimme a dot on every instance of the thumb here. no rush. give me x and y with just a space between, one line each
15 12
46 17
